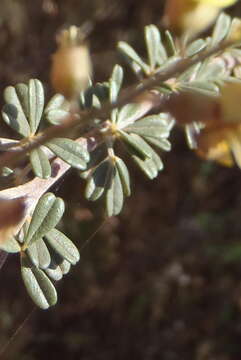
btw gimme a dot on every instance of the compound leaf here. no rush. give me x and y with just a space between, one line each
65 267
128 114
124 175
10 245
15 110
150 166
170 43
40 163
57 109
151 126
98 180
128 51
196 46
153 40
162 144
38 285
63 246
114 194
221 29
115 82
36 103
56 116
54 271
136 143
46 216
203 87
70 151
39 254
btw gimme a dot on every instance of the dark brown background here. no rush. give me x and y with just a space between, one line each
161 281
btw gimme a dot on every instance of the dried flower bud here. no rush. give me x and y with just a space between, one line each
12 213
220 137
71 64
187 107
235 31
193 16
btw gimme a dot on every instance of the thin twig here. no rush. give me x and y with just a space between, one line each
36 187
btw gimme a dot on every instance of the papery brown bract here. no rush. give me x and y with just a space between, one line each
71 64
192 16
219 135
12 212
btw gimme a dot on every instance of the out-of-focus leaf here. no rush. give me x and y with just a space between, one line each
191 73
54 271
57 109
210 71
127 50
170 44
70 151
171 61
46 216
114 115
65 267
6 171
191 132
96 157
57 116
22 92
162 144
196 46
115 82
164 88
56 102
114 194
36 103
40 163
24 106
10 245
153 40
124 175
152 126
63 246
39 254
98 181
134 141
128 114
221 29
147 166
150 166
162 55
38 285
101 90
14 111
202 87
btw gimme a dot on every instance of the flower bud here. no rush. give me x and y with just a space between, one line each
192 16
71 63
12 212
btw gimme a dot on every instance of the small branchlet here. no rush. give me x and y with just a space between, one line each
104 118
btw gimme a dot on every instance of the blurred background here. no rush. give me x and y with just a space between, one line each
162 280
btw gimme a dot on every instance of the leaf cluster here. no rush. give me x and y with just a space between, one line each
107 174
25 113
46 253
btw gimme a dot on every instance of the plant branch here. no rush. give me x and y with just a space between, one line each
35 188
126 96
